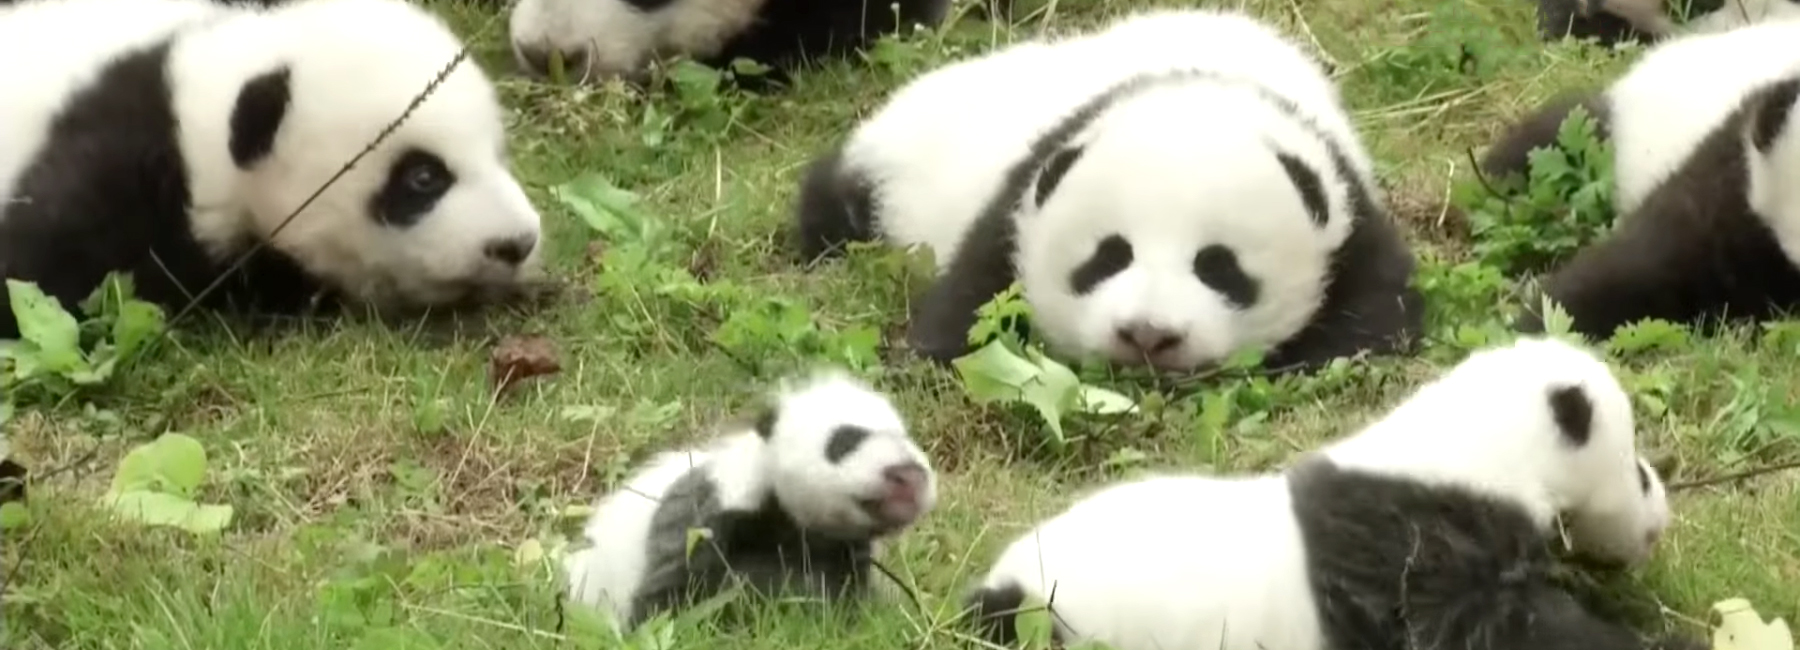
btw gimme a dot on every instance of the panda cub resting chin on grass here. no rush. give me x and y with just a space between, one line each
172 138
1174 188
1427 529
795 503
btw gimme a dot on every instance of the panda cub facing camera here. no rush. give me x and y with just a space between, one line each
1169 190
1428 528
796 503
166 138
600 39
1706 233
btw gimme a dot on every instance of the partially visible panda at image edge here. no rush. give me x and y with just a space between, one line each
1610 22
1706 231
798 501
166 137
601 39
1429 528
1172 189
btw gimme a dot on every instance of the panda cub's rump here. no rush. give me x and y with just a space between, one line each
603 39
1169 190
208 124
795 503
1706 233
1442 510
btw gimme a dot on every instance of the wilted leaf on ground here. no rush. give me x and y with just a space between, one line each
521 357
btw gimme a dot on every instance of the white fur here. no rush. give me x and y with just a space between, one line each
619 39
355 65
1739 13
1683 88
1180 562
1172 170
745 468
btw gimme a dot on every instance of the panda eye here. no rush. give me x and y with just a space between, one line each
414 184
1111 256
1217 267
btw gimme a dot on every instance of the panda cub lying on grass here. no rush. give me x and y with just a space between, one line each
1708 229
168 138
794 503
1427 529
1170 190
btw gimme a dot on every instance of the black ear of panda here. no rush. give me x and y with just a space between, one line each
765 420
1573 413
1769 110
1307 183
1055 167
262 103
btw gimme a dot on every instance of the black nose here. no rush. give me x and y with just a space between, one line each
512 250
1149 338
535 59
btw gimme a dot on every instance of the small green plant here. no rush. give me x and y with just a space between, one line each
57 356
1565 201
1007 369
156 484
1455 48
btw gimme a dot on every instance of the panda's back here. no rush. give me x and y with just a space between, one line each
608 572
70 43
1204 560
1678 92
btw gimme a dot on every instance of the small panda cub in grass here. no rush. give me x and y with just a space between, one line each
167 138
1427 529
1169 190
1707 230
602 39
795 503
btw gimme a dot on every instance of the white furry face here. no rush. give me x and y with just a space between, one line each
1186 223
618 38
841 463
1539 422
432 215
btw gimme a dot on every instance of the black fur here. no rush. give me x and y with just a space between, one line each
1511 155
1573 413
1399 564
993 612
1559 18
1693 252
764 548
844 440
789 35
256 117
1052 174
110 192
12 480
1368 303
1306 182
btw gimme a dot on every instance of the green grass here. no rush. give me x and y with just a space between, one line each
381 492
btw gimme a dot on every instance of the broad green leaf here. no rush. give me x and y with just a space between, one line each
529 552
14 515
1052 392
162 509
44 322
173 463
1101 401
605 207
994 374
1032 624
136 323
1741 628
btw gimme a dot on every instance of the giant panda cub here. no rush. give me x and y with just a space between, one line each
1427 529
168 137
796 502
1169 190
1707 232
601 39
1613 21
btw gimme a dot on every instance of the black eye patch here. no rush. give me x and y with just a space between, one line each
844 440
1054 169
1110 257
1217 267
414 184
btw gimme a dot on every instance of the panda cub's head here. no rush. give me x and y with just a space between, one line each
1189 220
839 460
432 215
1540 423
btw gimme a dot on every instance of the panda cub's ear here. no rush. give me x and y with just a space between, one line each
764 424
1768 111
262 103
1573 413
1051 173
1308 184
